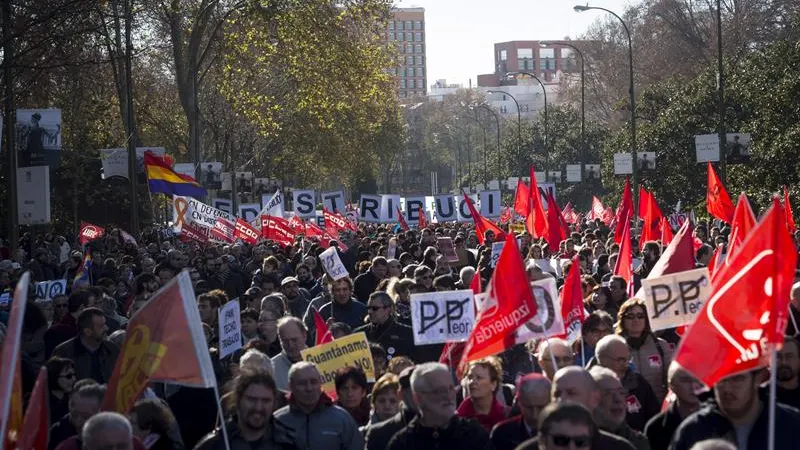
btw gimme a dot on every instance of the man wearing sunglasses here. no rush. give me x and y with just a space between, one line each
382 329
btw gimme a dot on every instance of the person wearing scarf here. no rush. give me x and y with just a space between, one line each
483 377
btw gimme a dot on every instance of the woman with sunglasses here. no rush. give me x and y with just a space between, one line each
60 380
650 355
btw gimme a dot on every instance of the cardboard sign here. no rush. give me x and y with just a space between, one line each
706 147
333 264
187 210
230 328
391 249
349 351
548 321
333 201
438 317
46 290
497 248
675 299
447 248
304 204
623 164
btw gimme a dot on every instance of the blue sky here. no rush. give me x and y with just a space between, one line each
461 33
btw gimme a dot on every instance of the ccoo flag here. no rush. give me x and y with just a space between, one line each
165 343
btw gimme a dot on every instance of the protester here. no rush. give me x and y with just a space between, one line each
377 436
292 335
84 403
61 377
316 422
532 395
483 380
662 426
351 391
93 355
67 328
385 398
395 338
365 284
787 389
596 326
611 414
343 307
107 430
553 354
563 425
153 424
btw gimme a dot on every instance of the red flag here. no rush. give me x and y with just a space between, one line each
423 221
572 302
245 232
323 334
536 220
192 232
334 222
677 257
644 201
37 417
223 230
624 265
555 225
10 375
651 229
718 202
598 211
789 214
506 215
165 343
608 216
714 262
522 199
748 306
666 232
277 229
452 352
570 215
510 305
624 212
482 224
90 232
403 223
744 221
297 225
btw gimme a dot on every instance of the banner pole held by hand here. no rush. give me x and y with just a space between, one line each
773 366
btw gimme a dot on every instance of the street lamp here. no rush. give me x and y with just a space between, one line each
546 125
581 8
470 107
583 97
497 119
519 117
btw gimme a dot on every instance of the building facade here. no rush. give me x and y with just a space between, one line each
406 30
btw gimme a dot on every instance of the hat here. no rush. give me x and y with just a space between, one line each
288 280
405 377
6 265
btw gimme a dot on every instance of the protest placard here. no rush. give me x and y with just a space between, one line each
447 249
497 248
391 249
46 290
438 317
332 264
548 321
675 299
230 328
348 351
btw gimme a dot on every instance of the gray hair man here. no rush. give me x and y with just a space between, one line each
292 335
533 394
317 422
610 413
662 426
107 431
553 354
437 425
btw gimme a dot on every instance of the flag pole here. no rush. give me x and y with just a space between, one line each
223 426
773 366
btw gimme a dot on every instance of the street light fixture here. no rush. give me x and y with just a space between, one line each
546 125
497 120
519 117
581 8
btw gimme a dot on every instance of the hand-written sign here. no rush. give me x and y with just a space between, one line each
348 351
332 264
497 248
230 328
46 290
438 317
675 299
548 321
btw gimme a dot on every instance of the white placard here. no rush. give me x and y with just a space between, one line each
389 205
548 321
272 204
332 264
490 204
38 136
391 248
304 203
547 265
497 248
573 173
230 328
223 204
189 210
623 164
46 290
333 201
211 175
493 185
115 162
737 147
33 195
184 169
439 317
675 299
707 147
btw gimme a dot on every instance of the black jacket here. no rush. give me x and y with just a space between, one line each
642 403
279 438
510 433
61 431
352 313
395 338
85 367
364 285
662 426
603 441
378 435
461 434
709 423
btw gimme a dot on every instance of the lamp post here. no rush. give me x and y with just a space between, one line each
497 120
546 125
485 179
581 8
723 154
581 157
519 117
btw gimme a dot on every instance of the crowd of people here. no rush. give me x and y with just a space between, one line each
615 387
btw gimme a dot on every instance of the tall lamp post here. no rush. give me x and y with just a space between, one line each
519 117
581 8
497 120
546 124
485 173
723 154
581 157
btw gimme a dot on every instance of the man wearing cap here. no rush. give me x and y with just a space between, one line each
378 435
533 394
382 329
298 303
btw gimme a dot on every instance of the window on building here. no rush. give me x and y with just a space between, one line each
399 25
419 60
391 35
409 48
402 83
409 60
391 24
547 59
417 48
409 36
420 72
503 55
503 109
418 37
409 25
525 58
410 72
569 60
418 25
402 94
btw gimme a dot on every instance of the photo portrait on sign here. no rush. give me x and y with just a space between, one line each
646 160
737 148
554 176
261 186
211 175
38 136
244 182
592 172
